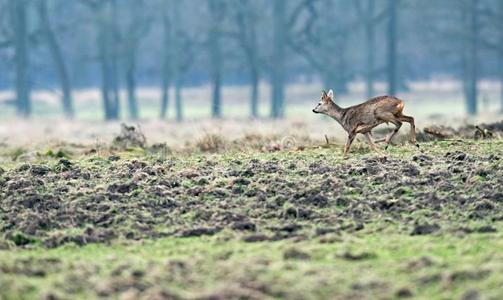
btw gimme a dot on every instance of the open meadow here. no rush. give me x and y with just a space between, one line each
247 209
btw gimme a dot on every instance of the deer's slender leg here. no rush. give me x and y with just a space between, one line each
364 128
374 140
350 140
391 118
373 146
410 120
398 124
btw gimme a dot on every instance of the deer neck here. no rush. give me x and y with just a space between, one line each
336 112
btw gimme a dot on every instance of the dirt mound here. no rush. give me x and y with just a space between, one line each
294 196
130 136
481 131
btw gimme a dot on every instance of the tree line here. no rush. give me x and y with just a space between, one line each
118 45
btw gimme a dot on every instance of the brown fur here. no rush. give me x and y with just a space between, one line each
362 118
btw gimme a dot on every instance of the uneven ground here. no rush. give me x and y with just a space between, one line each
254 218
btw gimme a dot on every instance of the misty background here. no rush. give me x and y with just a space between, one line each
186 59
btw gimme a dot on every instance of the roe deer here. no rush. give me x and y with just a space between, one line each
362 118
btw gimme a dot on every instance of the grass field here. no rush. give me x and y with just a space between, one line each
252 218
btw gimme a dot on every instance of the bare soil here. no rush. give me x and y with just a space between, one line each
259 197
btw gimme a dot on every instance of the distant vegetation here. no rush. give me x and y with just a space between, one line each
118 45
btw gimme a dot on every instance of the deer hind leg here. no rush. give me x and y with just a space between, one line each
391 118
398 124
410 120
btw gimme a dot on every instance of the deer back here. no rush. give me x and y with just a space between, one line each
371 112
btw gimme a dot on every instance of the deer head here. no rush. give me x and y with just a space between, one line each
325 104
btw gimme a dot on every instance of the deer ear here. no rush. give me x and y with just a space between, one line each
331 95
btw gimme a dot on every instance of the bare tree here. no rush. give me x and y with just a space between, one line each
169 49
135 31
278 58
216 10
493 39
178 54
322 42
392 47
105 18
245 15
366 10
113 42
500 52
470 54
490 36
500 48
19 37
57 56
461 33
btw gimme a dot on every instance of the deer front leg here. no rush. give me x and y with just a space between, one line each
373 146
350 140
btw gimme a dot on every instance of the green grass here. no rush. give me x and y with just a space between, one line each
382 260
385 266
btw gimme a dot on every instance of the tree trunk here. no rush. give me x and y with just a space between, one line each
391 55
21 60
246 19
105 77
215 51
58 58
471 63
254 93
104 14
500 9
216 106
501 81
103 41
114 53
278 72
370 58
172 63
137 27
370 49
167 60
131 88
165 93
254 78
178 100
177 65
